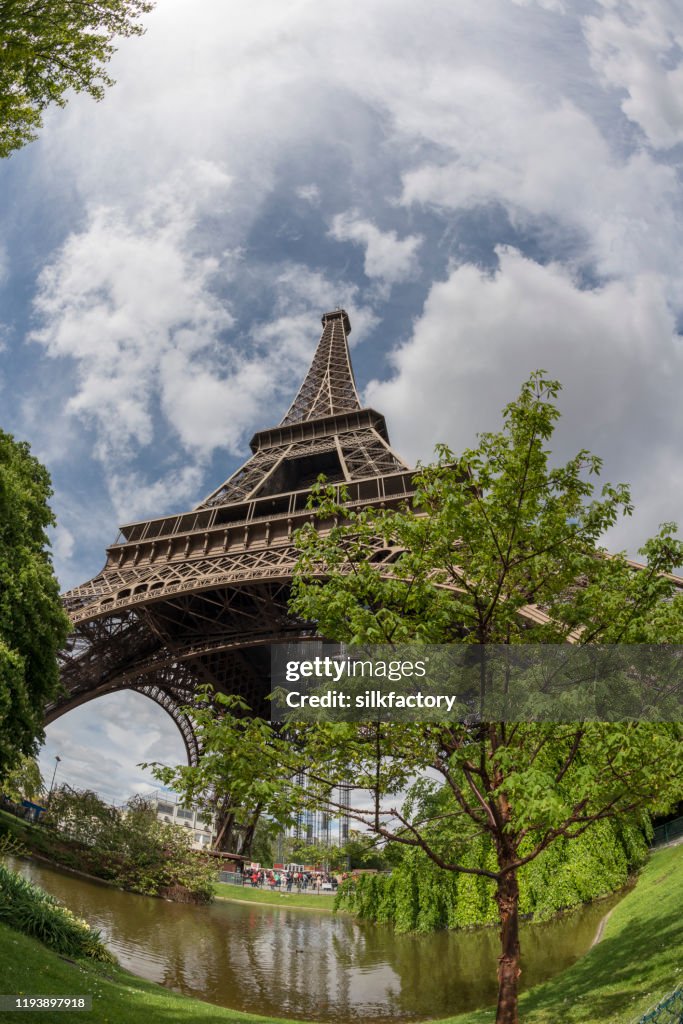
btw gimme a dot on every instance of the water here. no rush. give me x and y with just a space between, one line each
309 964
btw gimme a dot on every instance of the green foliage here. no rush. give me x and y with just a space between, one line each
301 852
28 909
497 528
25 781
132 847
33 625
263 844
499 547
239 775
48 47
420 897
10 846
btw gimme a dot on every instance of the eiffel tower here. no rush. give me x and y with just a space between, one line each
199 597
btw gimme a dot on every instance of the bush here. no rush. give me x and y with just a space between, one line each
131 848
419 896
28 909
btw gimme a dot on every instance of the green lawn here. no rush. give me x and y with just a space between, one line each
638 961
325 901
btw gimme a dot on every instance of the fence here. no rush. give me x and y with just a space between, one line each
231 877
669 1011
667 832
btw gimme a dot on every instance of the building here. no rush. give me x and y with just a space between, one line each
201 823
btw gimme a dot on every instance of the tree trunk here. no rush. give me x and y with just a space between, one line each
250 832
225 820
507 898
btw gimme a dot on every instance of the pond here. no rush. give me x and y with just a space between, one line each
307 963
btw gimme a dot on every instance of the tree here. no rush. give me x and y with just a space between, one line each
25 781
130 846
235 779
492 533
500 548
50 46
33 626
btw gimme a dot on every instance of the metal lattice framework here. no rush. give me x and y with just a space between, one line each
199 597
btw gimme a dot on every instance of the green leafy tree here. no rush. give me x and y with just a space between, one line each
33 626
48 47
363 851
500 547
263 844
130 846
316 854
25 781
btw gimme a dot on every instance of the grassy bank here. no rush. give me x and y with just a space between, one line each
30 968
637 962
245 894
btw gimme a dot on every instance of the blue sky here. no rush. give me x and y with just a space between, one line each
487 187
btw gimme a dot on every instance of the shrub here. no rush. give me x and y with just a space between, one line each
28 909
419 896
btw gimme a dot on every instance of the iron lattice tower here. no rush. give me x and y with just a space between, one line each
198 597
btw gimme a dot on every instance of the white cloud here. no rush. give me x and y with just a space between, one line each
309 193
636 48
134 496
550 163
63 543
387 257
100 745
614 349
470 104
119 298
549 5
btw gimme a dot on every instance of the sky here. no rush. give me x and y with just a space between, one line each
488 187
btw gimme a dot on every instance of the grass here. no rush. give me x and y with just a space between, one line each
638 961
29 968
225 891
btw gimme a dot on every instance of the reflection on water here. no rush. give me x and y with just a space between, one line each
307 964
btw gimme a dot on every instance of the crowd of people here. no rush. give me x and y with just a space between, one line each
285 880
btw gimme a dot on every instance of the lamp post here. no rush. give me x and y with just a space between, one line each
57 760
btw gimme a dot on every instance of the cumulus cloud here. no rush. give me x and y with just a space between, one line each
550 165
140 308
134 496
120 298
387 257
636 48
614 348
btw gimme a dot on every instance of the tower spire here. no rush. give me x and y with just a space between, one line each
329 386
